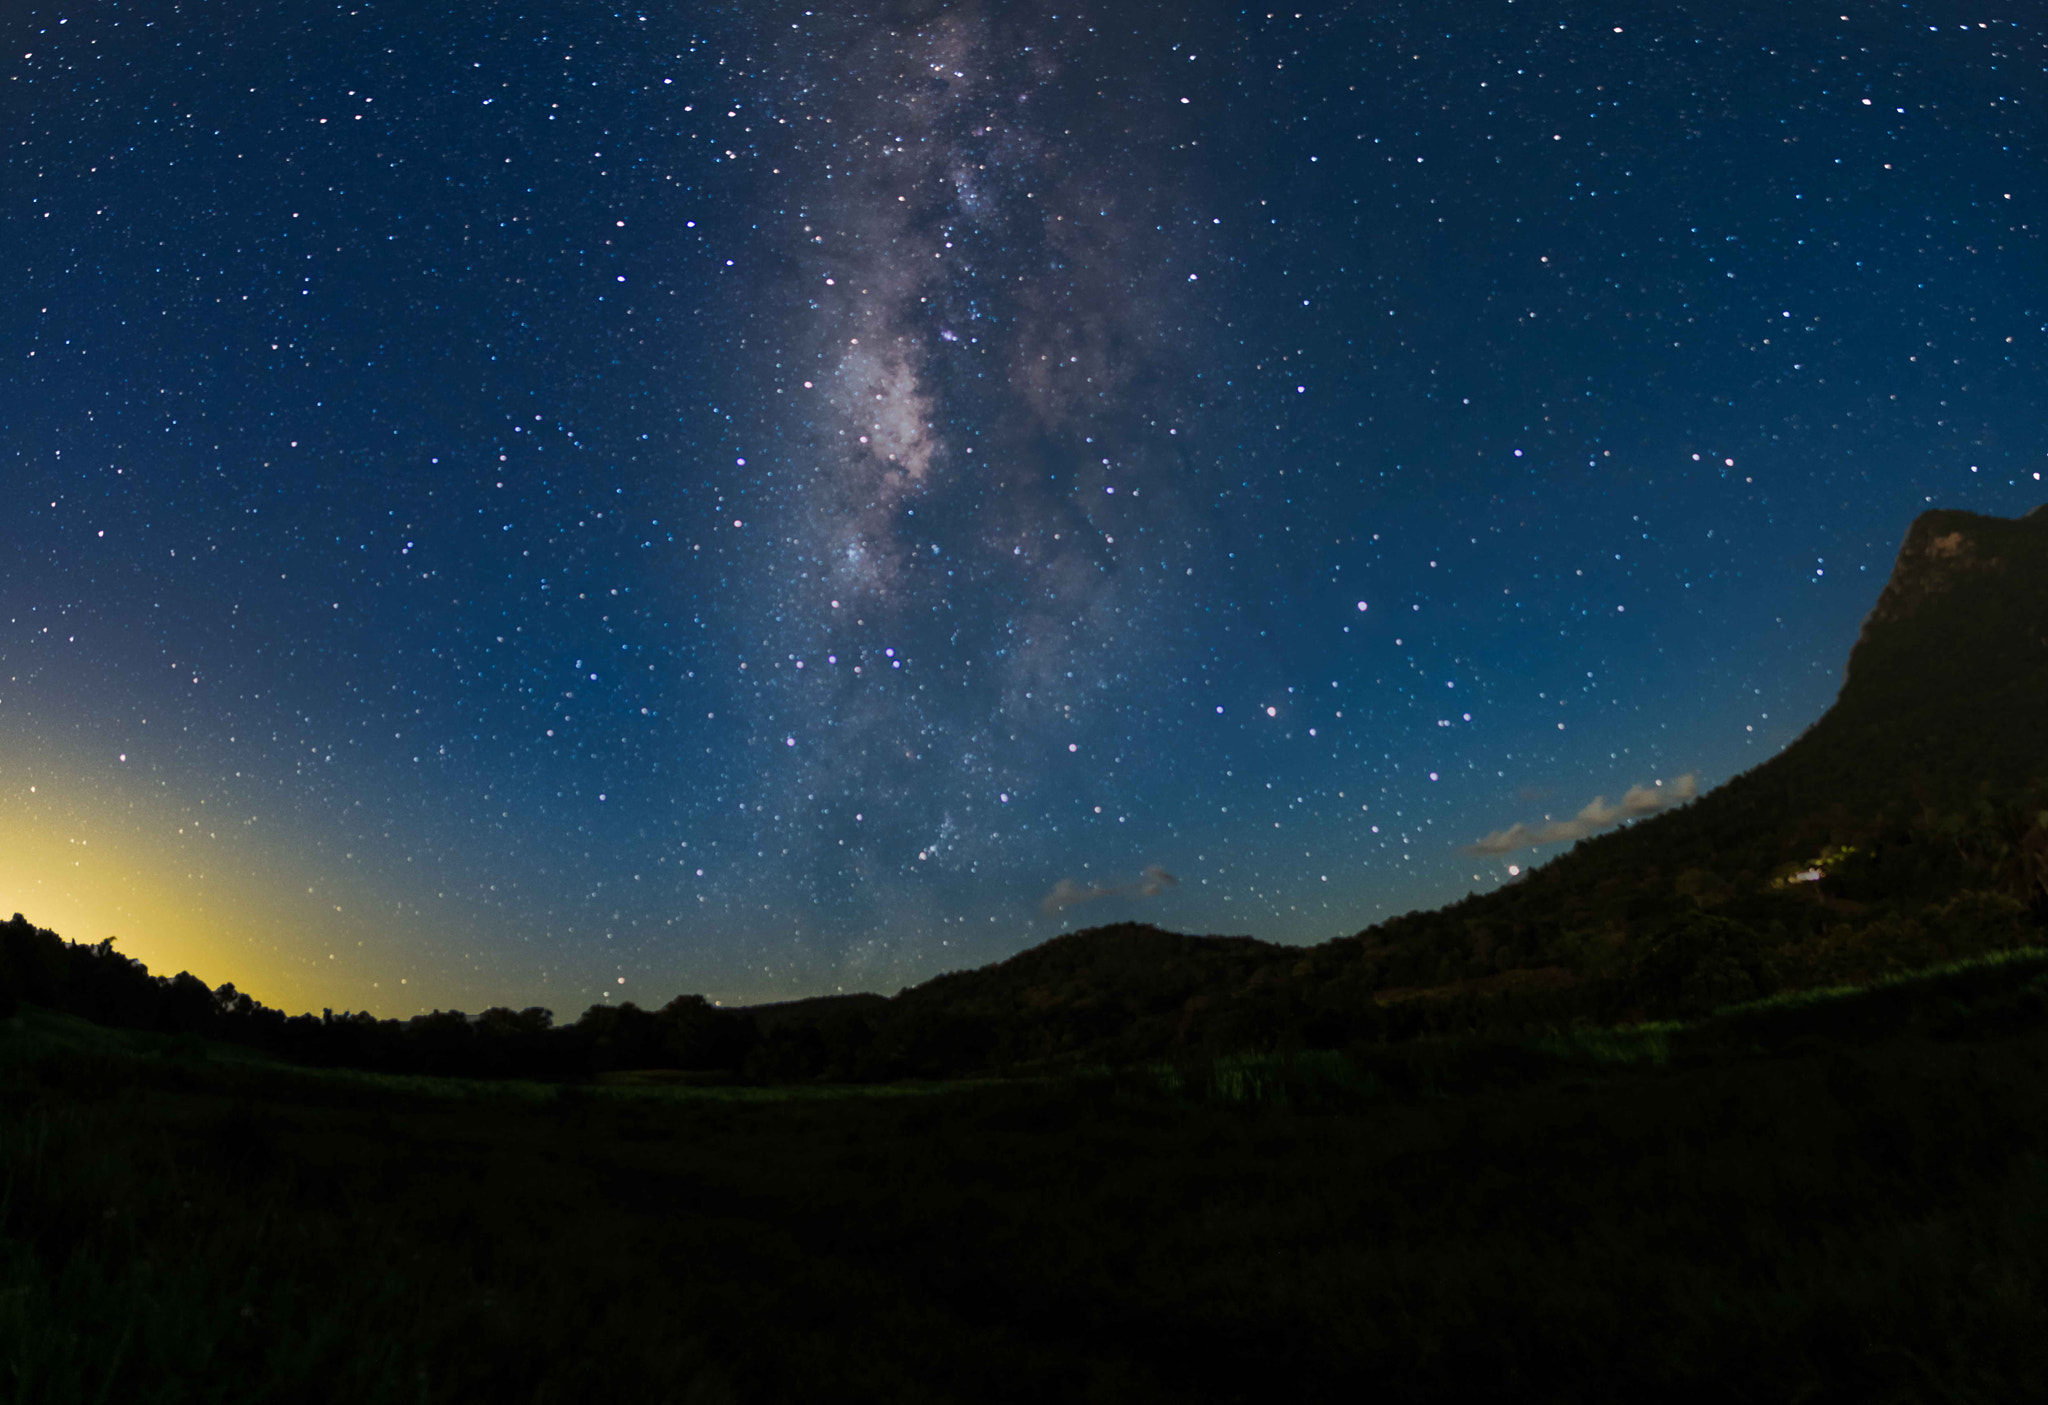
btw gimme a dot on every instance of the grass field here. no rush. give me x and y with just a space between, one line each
1972 997
1838 1198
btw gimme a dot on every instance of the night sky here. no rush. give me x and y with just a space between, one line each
550 503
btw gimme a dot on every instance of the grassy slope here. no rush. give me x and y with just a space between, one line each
1795 1202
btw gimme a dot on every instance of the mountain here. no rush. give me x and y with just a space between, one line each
1907 826
1108 992
1939 714
1945 682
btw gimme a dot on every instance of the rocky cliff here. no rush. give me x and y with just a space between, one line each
1961 581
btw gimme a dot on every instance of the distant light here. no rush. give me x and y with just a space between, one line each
1361 605
1270 712
1514 870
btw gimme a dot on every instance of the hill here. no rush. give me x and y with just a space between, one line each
1907 827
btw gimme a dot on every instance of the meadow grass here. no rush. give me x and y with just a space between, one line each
1969 970
1954 992
40 1033
1752 1216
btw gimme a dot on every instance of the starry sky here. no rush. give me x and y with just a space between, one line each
551 503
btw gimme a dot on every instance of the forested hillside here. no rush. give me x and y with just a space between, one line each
1907 827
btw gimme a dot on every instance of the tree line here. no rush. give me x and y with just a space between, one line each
101 984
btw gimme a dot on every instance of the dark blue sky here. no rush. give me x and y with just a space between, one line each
554 503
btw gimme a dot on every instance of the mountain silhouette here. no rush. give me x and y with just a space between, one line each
1908 825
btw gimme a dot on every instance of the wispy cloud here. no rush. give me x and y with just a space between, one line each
1067 893
1641 800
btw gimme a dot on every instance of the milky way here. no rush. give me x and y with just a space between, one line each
590 503
984 363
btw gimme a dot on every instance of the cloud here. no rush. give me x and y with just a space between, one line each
1155 881
1067 893
1639 801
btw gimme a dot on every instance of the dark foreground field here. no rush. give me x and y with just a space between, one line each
1835 1200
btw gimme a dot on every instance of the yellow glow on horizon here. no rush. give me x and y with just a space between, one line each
91 854
87 889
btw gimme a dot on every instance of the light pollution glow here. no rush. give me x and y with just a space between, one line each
90 852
